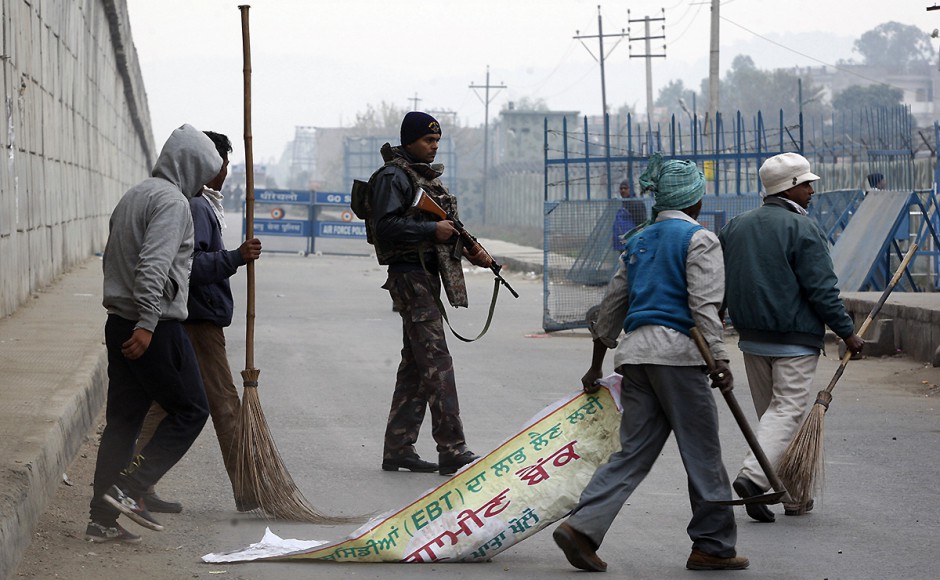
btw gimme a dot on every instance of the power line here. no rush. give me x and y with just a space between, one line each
687 26
804 55
600 36
601 55
649 55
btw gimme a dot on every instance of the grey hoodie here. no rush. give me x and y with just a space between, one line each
149 252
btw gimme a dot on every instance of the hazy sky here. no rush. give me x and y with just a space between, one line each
320 62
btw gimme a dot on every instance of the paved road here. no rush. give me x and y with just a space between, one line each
327 343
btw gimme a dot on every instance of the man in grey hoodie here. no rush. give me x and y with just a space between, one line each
147 263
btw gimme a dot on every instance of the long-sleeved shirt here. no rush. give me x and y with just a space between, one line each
705 279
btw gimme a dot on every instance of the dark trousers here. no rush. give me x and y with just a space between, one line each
166 373
659 400
426 374
208 342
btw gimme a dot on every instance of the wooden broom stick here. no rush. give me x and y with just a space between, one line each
802 465
261 478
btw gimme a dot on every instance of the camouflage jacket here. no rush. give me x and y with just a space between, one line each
416 226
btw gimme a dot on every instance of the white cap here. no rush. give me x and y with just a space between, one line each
781 172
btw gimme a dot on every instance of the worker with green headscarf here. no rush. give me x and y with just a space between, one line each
671 278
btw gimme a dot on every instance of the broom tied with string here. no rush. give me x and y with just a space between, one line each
802 465
260 474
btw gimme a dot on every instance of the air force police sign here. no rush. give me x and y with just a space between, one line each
341 230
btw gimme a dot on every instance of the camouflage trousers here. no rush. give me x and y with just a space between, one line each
426 374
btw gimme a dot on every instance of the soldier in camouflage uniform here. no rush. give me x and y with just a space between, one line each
419 254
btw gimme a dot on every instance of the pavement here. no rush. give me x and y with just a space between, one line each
53 357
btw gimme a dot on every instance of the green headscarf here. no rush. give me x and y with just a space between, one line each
676 184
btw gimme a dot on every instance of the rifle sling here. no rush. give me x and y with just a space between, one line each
440 306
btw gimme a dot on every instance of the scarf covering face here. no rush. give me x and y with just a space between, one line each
675 185
215 201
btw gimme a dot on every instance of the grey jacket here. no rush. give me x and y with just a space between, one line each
149 253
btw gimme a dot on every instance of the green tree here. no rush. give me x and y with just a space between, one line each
857 97
896 47
748 89
384 117
853 106
676 99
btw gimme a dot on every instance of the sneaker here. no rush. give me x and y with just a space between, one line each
699 560
450 464
578 548
409 462
746 488
134 509
160 506
100 534
797 509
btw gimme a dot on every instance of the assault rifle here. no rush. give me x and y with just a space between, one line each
425 203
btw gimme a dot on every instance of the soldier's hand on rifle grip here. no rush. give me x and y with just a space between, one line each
444 230
478 256
721 376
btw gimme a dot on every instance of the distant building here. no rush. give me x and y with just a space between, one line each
920 90
520 135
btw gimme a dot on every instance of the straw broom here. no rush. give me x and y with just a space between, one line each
260 473
802 466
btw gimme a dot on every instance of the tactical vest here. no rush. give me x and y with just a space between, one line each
424 176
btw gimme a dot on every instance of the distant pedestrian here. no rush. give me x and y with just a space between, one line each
670 278
418 252
875 181
630 215
146 287
211 308
781 294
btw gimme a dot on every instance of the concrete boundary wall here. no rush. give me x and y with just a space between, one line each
915 320
76 134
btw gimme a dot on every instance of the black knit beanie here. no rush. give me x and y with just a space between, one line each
416 125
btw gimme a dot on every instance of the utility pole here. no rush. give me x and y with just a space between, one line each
713 66
600 58
446 154
486 129
649 56
414 102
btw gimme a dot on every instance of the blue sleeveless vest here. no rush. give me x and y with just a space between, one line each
655 260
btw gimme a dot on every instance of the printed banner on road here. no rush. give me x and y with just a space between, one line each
532 480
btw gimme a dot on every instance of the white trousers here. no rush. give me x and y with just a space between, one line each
780 387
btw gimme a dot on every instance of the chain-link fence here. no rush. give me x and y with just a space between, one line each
582 249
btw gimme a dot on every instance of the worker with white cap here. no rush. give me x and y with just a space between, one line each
781 292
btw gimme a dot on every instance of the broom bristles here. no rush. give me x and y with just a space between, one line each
802 466
260 473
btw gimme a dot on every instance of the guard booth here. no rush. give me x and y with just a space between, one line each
304 215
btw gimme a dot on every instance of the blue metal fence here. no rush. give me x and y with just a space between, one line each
583 166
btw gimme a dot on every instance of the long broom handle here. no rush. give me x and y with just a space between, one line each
739 416
874 312
249 192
